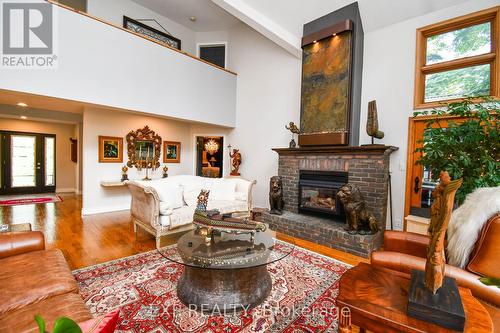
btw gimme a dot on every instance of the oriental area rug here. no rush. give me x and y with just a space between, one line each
303 297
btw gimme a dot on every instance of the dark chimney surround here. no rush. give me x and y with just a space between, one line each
366 166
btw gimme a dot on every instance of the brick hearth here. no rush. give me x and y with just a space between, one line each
367 168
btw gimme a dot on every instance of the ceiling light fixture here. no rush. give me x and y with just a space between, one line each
192 18
211 146
24 117
315 41
334 35
22 104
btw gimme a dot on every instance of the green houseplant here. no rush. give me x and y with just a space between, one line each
468 148
61 325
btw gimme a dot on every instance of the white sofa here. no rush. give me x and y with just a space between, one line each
166 206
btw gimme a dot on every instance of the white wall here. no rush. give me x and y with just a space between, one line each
113 11
268 97
102 65
97 199
66 170
388 77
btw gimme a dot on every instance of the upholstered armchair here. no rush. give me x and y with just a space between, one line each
405 251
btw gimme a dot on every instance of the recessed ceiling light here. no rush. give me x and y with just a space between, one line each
334 35
315 41
22 104
192 18
24 117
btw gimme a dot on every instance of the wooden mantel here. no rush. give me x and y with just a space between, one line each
366 149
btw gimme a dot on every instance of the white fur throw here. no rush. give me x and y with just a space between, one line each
468 220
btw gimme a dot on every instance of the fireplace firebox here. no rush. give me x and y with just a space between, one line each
318 193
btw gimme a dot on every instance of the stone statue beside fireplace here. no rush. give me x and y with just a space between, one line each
358 218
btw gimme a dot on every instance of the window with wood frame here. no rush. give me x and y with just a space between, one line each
458 58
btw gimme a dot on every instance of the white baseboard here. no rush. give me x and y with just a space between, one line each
107 209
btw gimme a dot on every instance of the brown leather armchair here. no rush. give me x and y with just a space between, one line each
405 251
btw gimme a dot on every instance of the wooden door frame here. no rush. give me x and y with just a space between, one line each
416 128
39 155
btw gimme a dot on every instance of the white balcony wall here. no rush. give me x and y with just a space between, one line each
100 64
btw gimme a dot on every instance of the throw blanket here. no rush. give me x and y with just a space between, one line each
468 220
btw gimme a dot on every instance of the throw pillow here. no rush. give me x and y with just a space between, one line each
190 194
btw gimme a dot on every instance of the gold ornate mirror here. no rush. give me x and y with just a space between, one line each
143 148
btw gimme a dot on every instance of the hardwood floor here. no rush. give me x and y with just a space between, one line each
99 238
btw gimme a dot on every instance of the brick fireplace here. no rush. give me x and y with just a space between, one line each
366 167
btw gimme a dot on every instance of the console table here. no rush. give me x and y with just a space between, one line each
378 298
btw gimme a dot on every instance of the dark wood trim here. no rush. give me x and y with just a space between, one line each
6 175
368 149
338 28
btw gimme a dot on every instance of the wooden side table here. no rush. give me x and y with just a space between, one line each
378 298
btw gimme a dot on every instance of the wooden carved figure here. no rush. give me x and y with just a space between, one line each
372 122
236 157
441 209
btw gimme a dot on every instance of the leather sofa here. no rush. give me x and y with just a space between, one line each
406 251
35 281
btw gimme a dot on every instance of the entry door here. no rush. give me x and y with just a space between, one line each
28 163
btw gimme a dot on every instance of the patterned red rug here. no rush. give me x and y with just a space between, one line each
29 199
305 287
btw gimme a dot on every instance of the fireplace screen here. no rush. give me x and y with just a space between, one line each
318 192
319 198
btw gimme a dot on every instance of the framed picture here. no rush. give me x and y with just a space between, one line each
110 149
150 32
171 152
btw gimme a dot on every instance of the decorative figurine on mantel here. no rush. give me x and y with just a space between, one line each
276 202
432 292
236 160
372 122
124 173
165 172
358 219
295 130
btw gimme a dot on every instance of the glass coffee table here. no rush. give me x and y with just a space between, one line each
229 273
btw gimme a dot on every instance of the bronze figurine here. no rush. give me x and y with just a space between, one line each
276 195
358 218
295 130
372 122
165 172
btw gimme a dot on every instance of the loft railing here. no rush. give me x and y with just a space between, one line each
55 3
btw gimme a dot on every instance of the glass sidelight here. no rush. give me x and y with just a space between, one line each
28 161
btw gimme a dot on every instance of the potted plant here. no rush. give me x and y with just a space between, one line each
468 148
61 325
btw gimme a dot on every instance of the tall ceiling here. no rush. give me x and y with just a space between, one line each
209 16
291 15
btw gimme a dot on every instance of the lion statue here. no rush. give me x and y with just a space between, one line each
358 218
276 195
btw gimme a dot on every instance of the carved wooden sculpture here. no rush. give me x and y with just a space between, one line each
441 209
372 122
432 296
236 162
